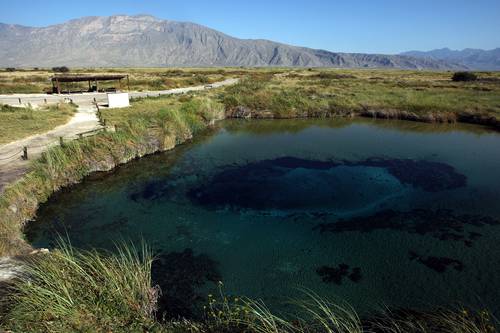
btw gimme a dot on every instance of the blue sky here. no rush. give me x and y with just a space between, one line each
374 26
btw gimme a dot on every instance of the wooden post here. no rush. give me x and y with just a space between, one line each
20 101
90 88
116 128
61 141
104 122
58 86
25 153
45 100
128 84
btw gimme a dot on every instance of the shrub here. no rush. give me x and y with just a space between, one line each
7 108
464 76
10 69
62 69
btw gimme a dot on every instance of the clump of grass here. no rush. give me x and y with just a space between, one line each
333 76
86 291
464 76
279 101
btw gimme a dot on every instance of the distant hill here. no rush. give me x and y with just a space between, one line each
145 41
473 58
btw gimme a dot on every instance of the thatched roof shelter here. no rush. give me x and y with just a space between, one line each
90 78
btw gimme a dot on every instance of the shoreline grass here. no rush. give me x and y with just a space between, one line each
71 290
149 127
418 96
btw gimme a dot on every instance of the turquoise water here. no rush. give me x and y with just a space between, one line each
376 213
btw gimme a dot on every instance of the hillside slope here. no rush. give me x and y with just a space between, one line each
145 41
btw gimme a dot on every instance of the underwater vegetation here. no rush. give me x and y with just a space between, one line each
441 224
335 275
439 264
179 275
261 185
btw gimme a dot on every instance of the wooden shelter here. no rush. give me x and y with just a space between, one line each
92 79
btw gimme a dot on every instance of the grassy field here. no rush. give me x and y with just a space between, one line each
425 96
17 123
287 92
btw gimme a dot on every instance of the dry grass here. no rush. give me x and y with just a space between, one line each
424 96
17 123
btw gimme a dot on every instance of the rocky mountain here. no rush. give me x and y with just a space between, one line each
146 41
473 58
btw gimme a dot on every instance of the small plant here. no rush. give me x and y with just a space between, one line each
464 77
28 114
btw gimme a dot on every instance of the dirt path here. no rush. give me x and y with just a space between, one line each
12 166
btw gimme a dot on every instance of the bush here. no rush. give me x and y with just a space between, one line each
62 69
10 69
464 76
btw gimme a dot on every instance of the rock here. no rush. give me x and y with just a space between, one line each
242 112
9 269
39 251
13 208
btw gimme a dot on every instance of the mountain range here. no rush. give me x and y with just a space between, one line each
146 41
472 58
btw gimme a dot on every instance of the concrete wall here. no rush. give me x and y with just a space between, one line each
118 100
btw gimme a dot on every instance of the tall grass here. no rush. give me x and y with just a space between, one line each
85 291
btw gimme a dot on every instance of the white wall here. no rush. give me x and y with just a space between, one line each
118 100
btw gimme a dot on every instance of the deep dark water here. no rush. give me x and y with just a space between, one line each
270 184
373 212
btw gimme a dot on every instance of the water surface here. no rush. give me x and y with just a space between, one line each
376 213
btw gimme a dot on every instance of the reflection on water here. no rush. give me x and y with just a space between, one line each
374 212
